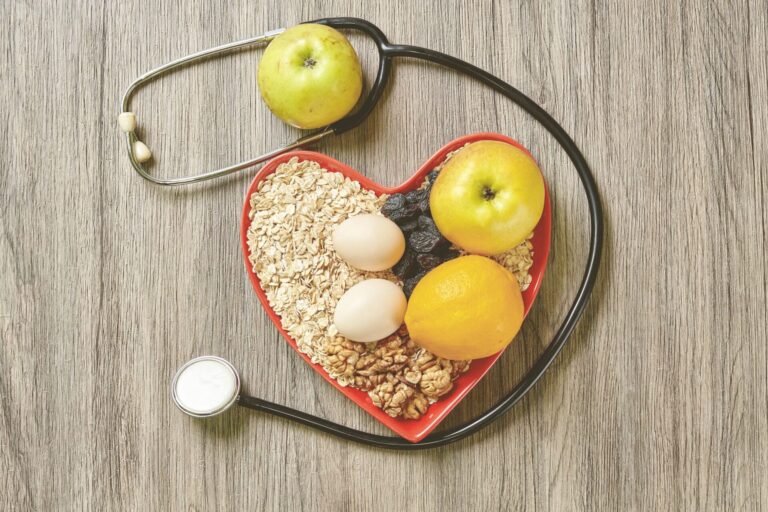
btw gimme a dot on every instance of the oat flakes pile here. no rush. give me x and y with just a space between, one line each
293 215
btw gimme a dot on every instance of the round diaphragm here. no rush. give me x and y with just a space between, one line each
205 386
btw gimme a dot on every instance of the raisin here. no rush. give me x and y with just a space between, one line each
427 224
397 209
408 225
424 206
394 202
428 261
411 283
406 266
420 199
403 214
432 176
424 241
416 196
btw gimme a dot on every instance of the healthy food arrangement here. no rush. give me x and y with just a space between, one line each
326 255
391 294
402 298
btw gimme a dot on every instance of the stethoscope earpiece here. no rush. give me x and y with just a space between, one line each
127 123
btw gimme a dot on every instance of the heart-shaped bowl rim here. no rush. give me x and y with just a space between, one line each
412 430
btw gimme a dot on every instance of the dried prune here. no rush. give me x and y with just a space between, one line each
424 241
411 283
406 266
429 261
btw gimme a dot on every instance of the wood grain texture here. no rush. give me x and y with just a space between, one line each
107 284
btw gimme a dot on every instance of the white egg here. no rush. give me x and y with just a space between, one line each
369 242
370 311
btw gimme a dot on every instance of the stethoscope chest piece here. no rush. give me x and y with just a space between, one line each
205 386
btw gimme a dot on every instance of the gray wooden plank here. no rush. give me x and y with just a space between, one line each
660 401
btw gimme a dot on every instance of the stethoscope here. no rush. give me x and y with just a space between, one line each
188 379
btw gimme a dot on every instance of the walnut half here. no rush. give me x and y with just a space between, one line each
342 355
398 399
401 378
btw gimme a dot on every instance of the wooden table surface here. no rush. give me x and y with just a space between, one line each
108 283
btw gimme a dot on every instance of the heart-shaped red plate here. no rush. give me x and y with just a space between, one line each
413 430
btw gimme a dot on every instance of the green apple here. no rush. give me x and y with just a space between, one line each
488 197
310 76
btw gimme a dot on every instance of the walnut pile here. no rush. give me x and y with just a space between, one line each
400 378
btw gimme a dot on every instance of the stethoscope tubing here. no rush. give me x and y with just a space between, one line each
387 52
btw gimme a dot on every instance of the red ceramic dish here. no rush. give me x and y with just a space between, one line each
412 430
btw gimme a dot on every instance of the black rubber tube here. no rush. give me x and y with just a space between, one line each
543 362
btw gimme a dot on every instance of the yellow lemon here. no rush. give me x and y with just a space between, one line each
467 308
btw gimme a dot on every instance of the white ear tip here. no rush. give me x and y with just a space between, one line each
141 152
127 121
